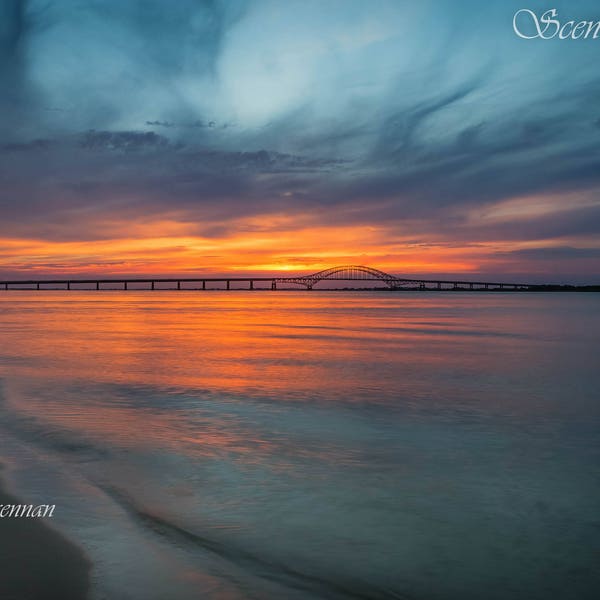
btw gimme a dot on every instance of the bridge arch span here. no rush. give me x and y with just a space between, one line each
350 272
344 273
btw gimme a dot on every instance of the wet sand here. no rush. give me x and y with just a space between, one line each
37 563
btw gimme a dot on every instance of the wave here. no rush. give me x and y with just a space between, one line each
267 569
38 432
71 445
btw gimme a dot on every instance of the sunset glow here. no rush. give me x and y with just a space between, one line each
316 142
271 250
299 299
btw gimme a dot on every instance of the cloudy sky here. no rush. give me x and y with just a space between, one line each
418 137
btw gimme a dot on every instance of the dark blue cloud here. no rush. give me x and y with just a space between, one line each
403 114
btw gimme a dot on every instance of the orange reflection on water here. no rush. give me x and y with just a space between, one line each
233 342
96 361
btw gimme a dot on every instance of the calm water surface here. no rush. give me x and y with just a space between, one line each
310 445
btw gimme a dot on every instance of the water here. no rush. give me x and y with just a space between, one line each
310 445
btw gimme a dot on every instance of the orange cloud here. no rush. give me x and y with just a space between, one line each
277 243
268 249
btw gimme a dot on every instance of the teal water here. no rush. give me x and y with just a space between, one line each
311 445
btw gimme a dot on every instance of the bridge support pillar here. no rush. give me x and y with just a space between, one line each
97 285
38 286
179 285
152 285
203 284
6 286
273 285
251 284
487 286
501 286
471 286
124 285
68 285
228 284
439 285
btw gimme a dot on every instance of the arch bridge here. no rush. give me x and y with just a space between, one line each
341 273
362 273
344 273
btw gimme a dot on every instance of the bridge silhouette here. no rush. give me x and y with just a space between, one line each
341 273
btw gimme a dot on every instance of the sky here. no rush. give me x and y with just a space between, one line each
180 138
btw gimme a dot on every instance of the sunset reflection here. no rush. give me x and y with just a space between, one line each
178 427
120 350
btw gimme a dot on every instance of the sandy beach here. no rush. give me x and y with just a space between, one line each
37 562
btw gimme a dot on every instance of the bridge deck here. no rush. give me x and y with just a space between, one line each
126 281
342 273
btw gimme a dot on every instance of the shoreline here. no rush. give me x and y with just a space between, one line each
38 563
